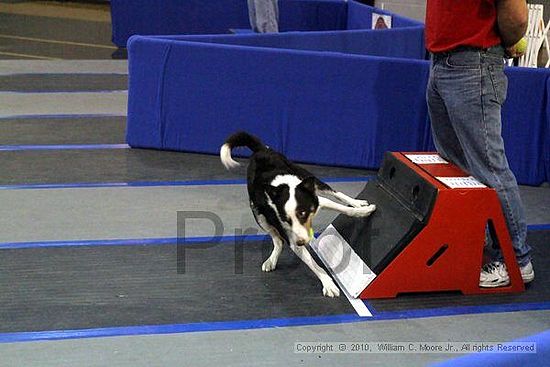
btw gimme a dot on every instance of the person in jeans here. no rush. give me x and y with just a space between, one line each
264 16
468 40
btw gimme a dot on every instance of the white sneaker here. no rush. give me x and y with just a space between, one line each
527 272
494 274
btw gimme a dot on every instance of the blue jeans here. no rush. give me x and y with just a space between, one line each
465 93
264 15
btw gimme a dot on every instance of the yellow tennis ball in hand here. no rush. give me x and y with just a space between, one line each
521 46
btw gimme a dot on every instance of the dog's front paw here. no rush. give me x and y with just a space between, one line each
356 203
330 289
363 211
268 265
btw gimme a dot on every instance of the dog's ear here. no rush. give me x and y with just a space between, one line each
276 192
309 184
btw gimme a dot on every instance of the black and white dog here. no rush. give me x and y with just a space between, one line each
284 199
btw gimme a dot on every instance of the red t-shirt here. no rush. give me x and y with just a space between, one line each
454 23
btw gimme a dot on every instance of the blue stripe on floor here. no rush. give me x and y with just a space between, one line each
85 185
177 328
263 323
538 227
158 241
459 310
134 242
11 148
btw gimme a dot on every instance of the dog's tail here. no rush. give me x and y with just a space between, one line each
240 139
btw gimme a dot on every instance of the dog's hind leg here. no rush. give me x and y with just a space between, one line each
362 211
329 288
271 262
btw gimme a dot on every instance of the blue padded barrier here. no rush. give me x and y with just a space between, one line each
317 107
354 107
145 85
312 15
401 43
325 89
171 17
148 17
525 122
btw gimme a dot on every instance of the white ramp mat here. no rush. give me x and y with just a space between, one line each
347 268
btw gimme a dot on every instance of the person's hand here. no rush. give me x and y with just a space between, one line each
517 50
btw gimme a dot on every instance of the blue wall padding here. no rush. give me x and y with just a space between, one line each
148 17
402 43
173 17
145 85
169 17
312 15
336 97
525 122
317 107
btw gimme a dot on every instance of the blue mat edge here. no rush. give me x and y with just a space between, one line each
164 241
261 323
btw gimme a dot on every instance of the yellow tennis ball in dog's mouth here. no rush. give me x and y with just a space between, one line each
311 233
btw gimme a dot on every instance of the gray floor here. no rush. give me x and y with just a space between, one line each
81 103
63 130
96 213
63 82
126 212
50 35
275 347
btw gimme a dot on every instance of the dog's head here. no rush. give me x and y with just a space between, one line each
296 203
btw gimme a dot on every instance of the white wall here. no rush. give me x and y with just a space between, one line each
415 9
